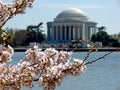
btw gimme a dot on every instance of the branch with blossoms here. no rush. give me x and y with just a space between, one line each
9 10
50 66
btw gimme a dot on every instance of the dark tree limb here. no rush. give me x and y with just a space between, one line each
90 62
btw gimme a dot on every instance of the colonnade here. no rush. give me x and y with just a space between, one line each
71 32
63 33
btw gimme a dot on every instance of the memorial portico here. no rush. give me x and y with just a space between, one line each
71 24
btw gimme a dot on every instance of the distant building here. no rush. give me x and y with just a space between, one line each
70 24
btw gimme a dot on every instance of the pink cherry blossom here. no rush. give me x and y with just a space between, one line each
8 10
48 67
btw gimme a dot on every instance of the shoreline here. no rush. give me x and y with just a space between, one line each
74 49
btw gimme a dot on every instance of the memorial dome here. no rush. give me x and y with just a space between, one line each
72 14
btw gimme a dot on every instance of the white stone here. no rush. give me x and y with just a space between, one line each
71 19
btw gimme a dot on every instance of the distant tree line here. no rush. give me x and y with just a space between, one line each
24 36
35 34
105 38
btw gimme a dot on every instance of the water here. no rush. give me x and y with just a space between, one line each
102 75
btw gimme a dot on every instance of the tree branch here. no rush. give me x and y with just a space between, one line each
90 62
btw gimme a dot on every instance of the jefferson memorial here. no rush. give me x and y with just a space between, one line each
70 24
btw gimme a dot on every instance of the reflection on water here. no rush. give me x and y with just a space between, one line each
102 75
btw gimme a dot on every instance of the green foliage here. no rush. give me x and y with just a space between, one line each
106 39
35 33
93 38
23 37
11 33
101 36
115 42
20 38
101 28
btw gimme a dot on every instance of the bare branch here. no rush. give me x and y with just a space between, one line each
87 56
90 62
88 53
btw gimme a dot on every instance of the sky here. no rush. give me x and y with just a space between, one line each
104 12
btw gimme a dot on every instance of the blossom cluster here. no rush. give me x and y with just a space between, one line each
50 65
8 10
6 53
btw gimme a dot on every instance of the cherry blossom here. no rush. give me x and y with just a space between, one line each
48 67
9 10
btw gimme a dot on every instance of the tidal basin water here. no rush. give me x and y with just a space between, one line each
102 75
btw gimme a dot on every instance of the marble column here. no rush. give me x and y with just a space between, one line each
61 33
78 32
65 33
83 32
52 34
56 33
87 32
69 32
73 32
91 32
94 31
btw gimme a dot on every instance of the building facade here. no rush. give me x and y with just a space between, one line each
70 24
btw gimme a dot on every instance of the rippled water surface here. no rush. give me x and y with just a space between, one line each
102 75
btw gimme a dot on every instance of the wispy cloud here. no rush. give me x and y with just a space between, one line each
73 5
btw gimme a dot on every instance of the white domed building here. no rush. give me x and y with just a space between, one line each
70 24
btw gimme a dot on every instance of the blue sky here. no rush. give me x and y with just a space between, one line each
104 12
